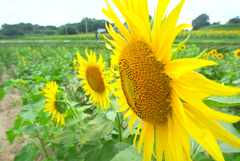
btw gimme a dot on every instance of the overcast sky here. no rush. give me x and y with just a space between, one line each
60 12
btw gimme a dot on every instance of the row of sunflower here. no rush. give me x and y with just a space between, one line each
147 98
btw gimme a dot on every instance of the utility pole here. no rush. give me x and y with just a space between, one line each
86 27
66 29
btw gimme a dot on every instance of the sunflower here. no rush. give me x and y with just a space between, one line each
165 94
183 47
54 103
210 54
214 52
95 80
237 53
219 56
205 56
24 60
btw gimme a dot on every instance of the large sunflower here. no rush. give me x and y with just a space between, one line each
95 80
54 104
165 94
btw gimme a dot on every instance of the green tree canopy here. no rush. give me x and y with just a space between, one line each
234 20
201 21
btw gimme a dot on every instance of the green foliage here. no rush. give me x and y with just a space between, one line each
28 152
10 133
127 154
201 21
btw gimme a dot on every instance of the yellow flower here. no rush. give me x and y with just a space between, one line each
29 48
214 52
63 48
183 47
38 53
210 54
237 53
205 56
95 80
24 61
18 56
55 52
165 94
219 56
34 51
56 108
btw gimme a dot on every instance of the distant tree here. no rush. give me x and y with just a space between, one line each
71 30
49 32
234 20
51 27
215 23
201 21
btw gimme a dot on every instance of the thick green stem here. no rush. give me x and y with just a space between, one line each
72 109
195 153
119 127
42 146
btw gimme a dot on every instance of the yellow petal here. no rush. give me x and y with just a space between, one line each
192 98
139 127
204 85
148 143
176 68
128 113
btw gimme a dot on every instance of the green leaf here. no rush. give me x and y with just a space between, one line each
206 159
31 110
66 137
219 101
8 84
113 104
176 47
48 159
10 135
62 150
29 129
28 153
111 148
73 155
127 154
1 146
91 150
39 79
98 128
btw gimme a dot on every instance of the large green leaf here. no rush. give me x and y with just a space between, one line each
39 79
98 128
31 110
219 101
66 137
128 154
8 84
10 135
29 129
111 148
91 150
28 153
73 155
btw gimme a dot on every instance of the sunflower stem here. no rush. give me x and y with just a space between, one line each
42 146
119 128
72 109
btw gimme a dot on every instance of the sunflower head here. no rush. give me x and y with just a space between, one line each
165 94
210 54
205 56
95 80
214 52
55 104
183 47
219 56
237 53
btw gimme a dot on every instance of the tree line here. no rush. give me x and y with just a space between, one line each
203 20
22 29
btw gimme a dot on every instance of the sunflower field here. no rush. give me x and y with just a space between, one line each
139 96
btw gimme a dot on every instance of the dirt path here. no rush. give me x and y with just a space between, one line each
8 114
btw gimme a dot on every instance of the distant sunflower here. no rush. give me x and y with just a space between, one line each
205 56
183 47
95 80
24 60
214 52
219 56
54 104
237 53
210 54
165 94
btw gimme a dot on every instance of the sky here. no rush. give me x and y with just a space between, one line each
60 12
